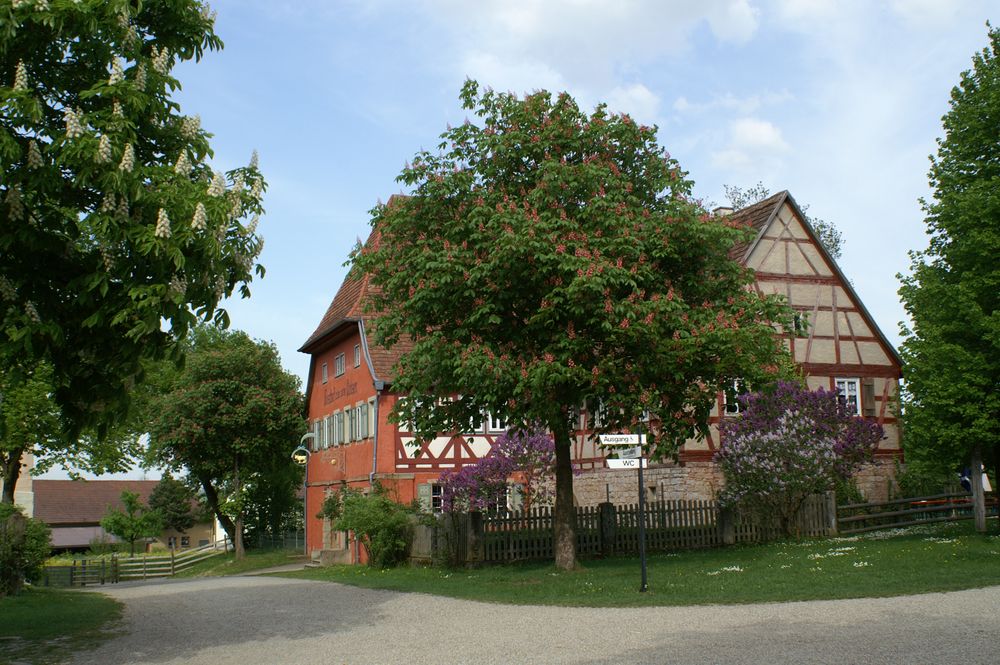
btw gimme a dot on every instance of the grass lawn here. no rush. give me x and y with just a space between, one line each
49 625
886 563
226 564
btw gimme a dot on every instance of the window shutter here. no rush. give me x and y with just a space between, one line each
314 444
868 397
424 491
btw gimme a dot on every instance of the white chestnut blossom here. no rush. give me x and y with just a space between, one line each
218 186
34 155
7 289
140 77
74 128
128 159
29 309
162 225
108 203
200 218
104 149
254 160
20 76
183 165
116 109
122 210
257 188
14 203
161 62
190 126
116 73
252 226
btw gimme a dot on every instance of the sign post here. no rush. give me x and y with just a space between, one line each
630 457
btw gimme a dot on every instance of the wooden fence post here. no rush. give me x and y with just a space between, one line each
607 528
978 497
831 510
727 525
474 539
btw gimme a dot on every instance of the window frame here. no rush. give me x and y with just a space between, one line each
736 387
845 395
339 363
357 355
324 373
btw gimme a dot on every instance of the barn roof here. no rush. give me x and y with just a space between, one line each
83 501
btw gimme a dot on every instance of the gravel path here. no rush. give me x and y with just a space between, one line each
249 620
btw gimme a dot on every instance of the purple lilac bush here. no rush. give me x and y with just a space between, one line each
530 453
788 443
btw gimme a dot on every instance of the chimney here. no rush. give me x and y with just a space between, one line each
722 211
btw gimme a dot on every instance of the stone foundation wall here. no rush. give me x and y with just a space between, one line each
699 481
689 481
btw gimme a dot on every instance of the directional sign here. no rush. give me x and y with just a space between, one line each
629 453
621 439
627 463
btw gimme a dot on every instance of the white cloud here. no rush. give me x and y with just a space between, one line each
636 100
755 134
754 144
731 102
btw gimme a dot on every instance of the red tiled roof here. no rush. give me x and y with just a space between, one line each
83 501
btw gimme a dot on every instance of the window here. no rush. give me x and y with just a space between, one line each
497 423
314 444
338 365
363 431
325 373
185 541
327 432
353 416
730 391
357 355
437 497
800 324
848 390
338 428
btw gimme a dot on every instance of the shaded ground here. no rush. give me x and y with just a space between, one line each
244 620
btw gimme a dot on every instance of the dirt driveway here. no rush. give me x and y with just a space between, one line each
249 620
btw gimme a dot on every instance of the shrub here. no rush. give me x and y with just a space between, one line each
381 525
24 546
788 443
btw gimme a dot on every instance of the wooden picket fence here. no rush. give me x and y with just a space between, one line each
606 529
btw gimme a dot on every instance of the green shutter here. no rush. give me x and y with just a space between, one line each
424 493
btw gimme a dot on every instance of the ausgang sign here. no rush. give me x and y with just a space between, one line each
621 439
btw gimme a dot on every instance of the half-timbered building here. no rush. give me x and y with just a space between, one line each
835 341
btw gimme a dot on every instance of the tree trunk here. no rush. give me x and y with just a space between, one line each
564 516
212 497
978 499
10 471
996 480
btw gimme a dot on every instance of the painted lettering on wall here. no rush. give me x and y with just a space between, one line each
329 396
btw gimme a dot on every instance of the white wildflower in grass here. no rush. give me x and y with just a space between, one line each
74 128
183 165
943 541
190 126
13 201
161 60
787 565
29 309
713 573
116 72
104 149
816 555
200 218
7 290
140 77
733 569
34 155
128 159
116 109
162 225
218 186
861 564
108 204
20 76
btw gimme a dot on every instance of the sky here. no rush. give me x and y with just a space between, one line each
837 101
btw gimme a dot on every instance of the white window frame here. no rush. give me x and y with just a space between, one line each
842 385
736 387
325 373
437 498
357 355
338 365
496 424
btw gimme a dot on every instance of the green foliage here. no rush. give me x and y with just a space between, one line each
847 492
134 522
951 349
24 547
116 236
230 419
383 526
172 499
332 507
922 479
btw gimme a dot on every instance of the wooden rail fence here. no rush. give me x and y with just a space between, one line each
910 511
112 569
